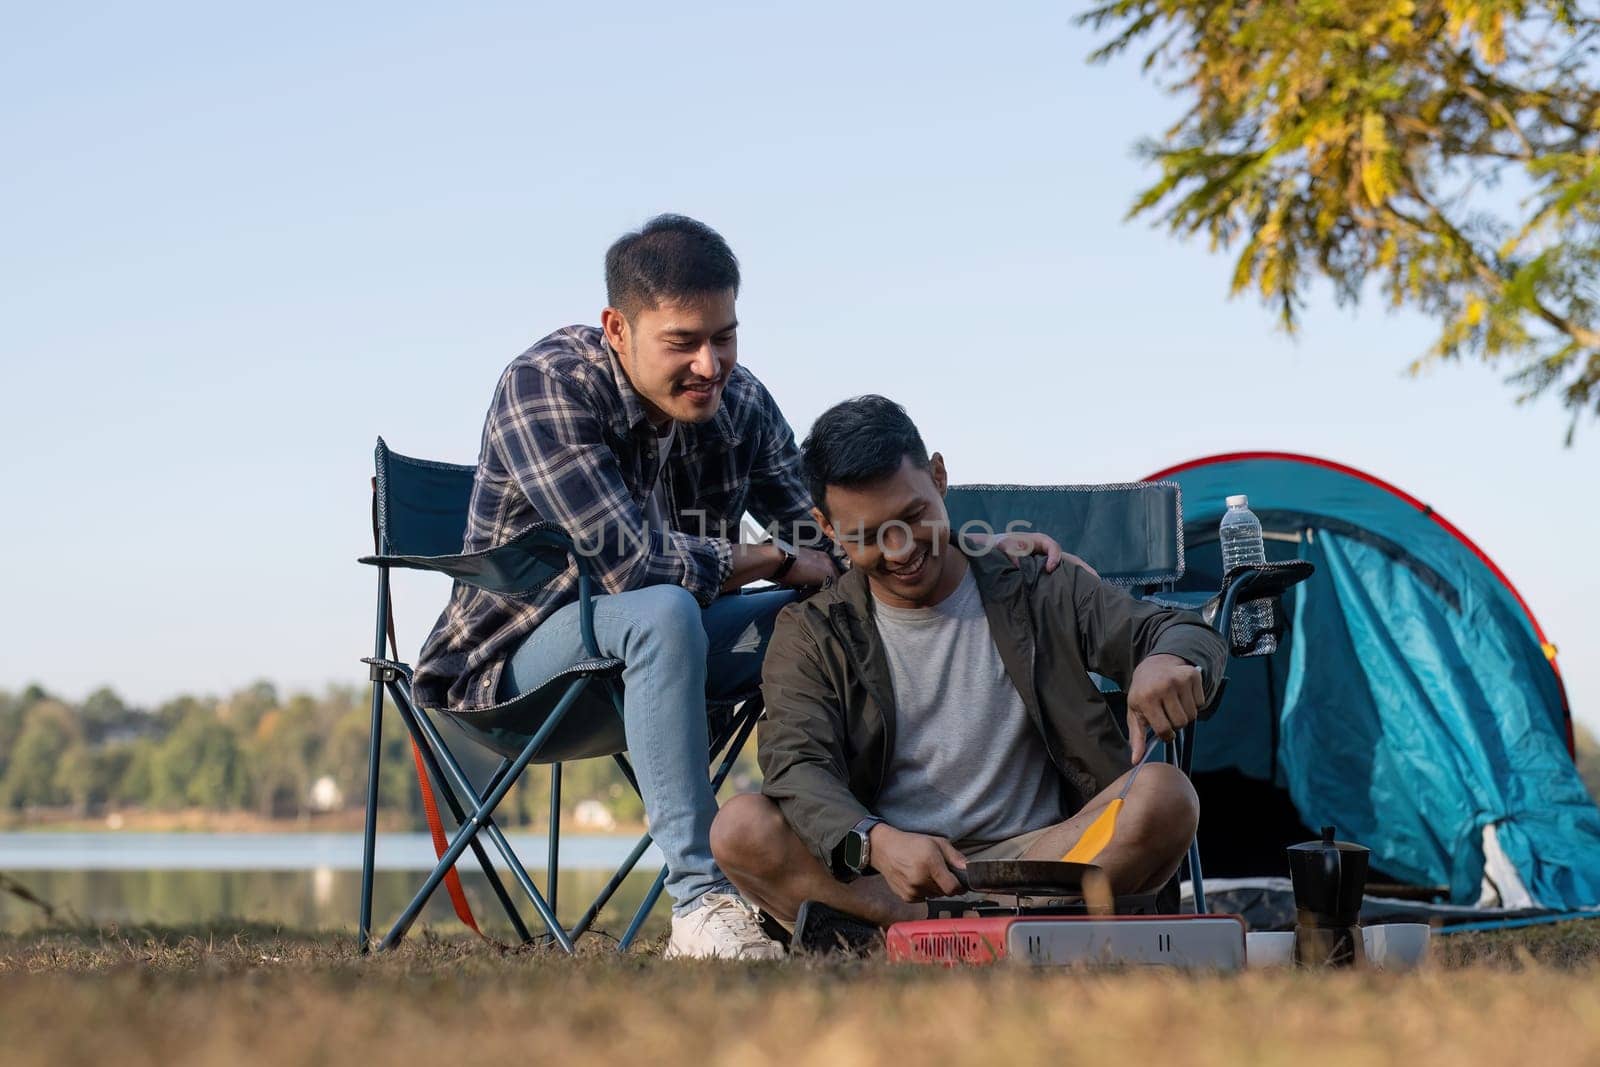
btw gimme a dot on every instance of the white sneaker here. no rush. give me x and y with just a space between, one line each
722 927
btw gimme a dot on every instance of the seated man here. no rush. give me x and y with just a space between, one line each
934 705
646 440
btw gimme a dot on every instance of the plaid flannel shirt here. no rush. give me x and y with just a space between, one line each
566 441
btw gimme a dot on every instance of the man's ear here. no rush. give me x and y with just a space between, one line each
615 326
941 481
822 522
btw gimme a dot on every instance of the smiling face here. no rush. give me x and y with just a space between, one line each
677 355
896 530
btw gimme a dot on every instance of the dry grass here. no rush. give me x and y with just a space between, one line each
170 996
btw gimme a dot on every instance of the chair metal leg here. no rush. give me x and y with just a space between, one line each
480 820
507 772
748 714
612 885
369 838
627 772
369 833
1196 876
409 715
553 865
499 772
645 908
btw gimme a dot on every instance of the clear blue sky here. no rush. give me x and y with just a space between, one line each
238 245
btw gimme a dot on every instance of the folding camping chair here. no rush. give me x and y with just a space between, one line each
1132 535
419 517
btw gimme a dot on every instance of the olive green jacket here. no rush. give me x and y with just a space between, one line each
829 730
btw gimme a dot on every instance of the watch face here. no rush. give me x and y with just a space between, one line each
853 850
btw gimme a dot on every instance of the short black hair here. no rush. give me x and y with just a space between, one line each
858 442
668 258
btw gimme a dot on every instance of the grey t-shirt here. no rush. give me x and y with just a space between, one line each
655 505
968 763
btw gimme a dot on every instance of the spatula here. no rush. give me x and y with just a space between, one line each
1097 835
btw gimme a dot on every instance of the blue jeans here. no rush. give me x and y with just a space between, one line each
678 658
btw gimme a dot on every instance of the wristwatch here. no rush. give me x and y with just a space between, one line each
789 558
858 845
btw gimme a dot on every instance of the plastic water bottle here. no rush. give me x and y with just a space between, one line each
1242 545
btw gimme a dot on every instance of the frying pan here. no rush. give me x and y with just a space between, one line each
1045 878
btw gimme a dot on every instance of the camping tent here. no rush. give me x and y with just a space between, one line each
1415 704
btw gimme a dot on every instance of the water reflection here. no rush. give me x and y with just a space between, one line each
319 898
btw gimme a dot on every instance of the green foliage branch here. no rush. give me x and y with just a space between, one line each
1446 150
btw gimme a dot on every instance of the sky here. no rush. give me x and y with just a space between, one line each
236 245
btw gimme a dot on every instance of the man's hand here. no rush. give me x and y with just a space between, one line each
1018 545
915 866
1166 694
811 567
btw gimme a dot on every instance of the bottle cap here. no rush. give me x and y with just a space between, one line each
1240 501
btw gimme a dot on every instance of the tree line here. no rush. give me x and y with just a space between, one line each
254 751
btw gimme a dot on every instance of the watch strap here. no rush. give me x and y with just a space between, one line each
789 558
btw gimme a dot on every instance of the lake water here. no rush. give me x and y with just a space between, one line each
300 880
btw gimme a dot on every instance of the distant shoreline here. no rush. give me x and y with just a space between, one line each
200 820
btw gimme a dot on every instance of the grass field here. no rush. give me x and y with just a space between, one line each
224 996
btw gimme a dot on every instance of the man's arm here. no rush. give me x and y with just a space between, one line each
1153 653
1116 632
551 438
800 746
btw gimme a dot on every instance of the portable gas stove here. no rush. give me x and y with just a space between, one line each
1212 942
1061 932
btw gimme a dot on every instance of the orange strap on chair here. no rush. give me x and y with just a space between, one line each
430 804
430 808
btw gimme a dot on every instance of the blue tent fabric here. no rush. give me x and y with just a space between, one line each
1415 705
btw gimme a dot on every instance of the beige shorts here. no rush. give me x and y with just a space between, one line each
1012 848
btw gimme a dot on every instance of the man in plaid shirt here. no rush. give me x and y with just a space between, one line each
647 442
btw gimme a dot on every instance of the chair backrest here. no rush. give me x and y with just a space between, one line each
1132 533
422 504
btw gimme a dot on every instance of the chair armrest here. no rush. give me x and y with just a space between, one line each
519 568
1255 581
1262 581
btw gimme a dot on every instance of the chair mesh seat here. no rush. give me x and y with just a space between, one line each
592 728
